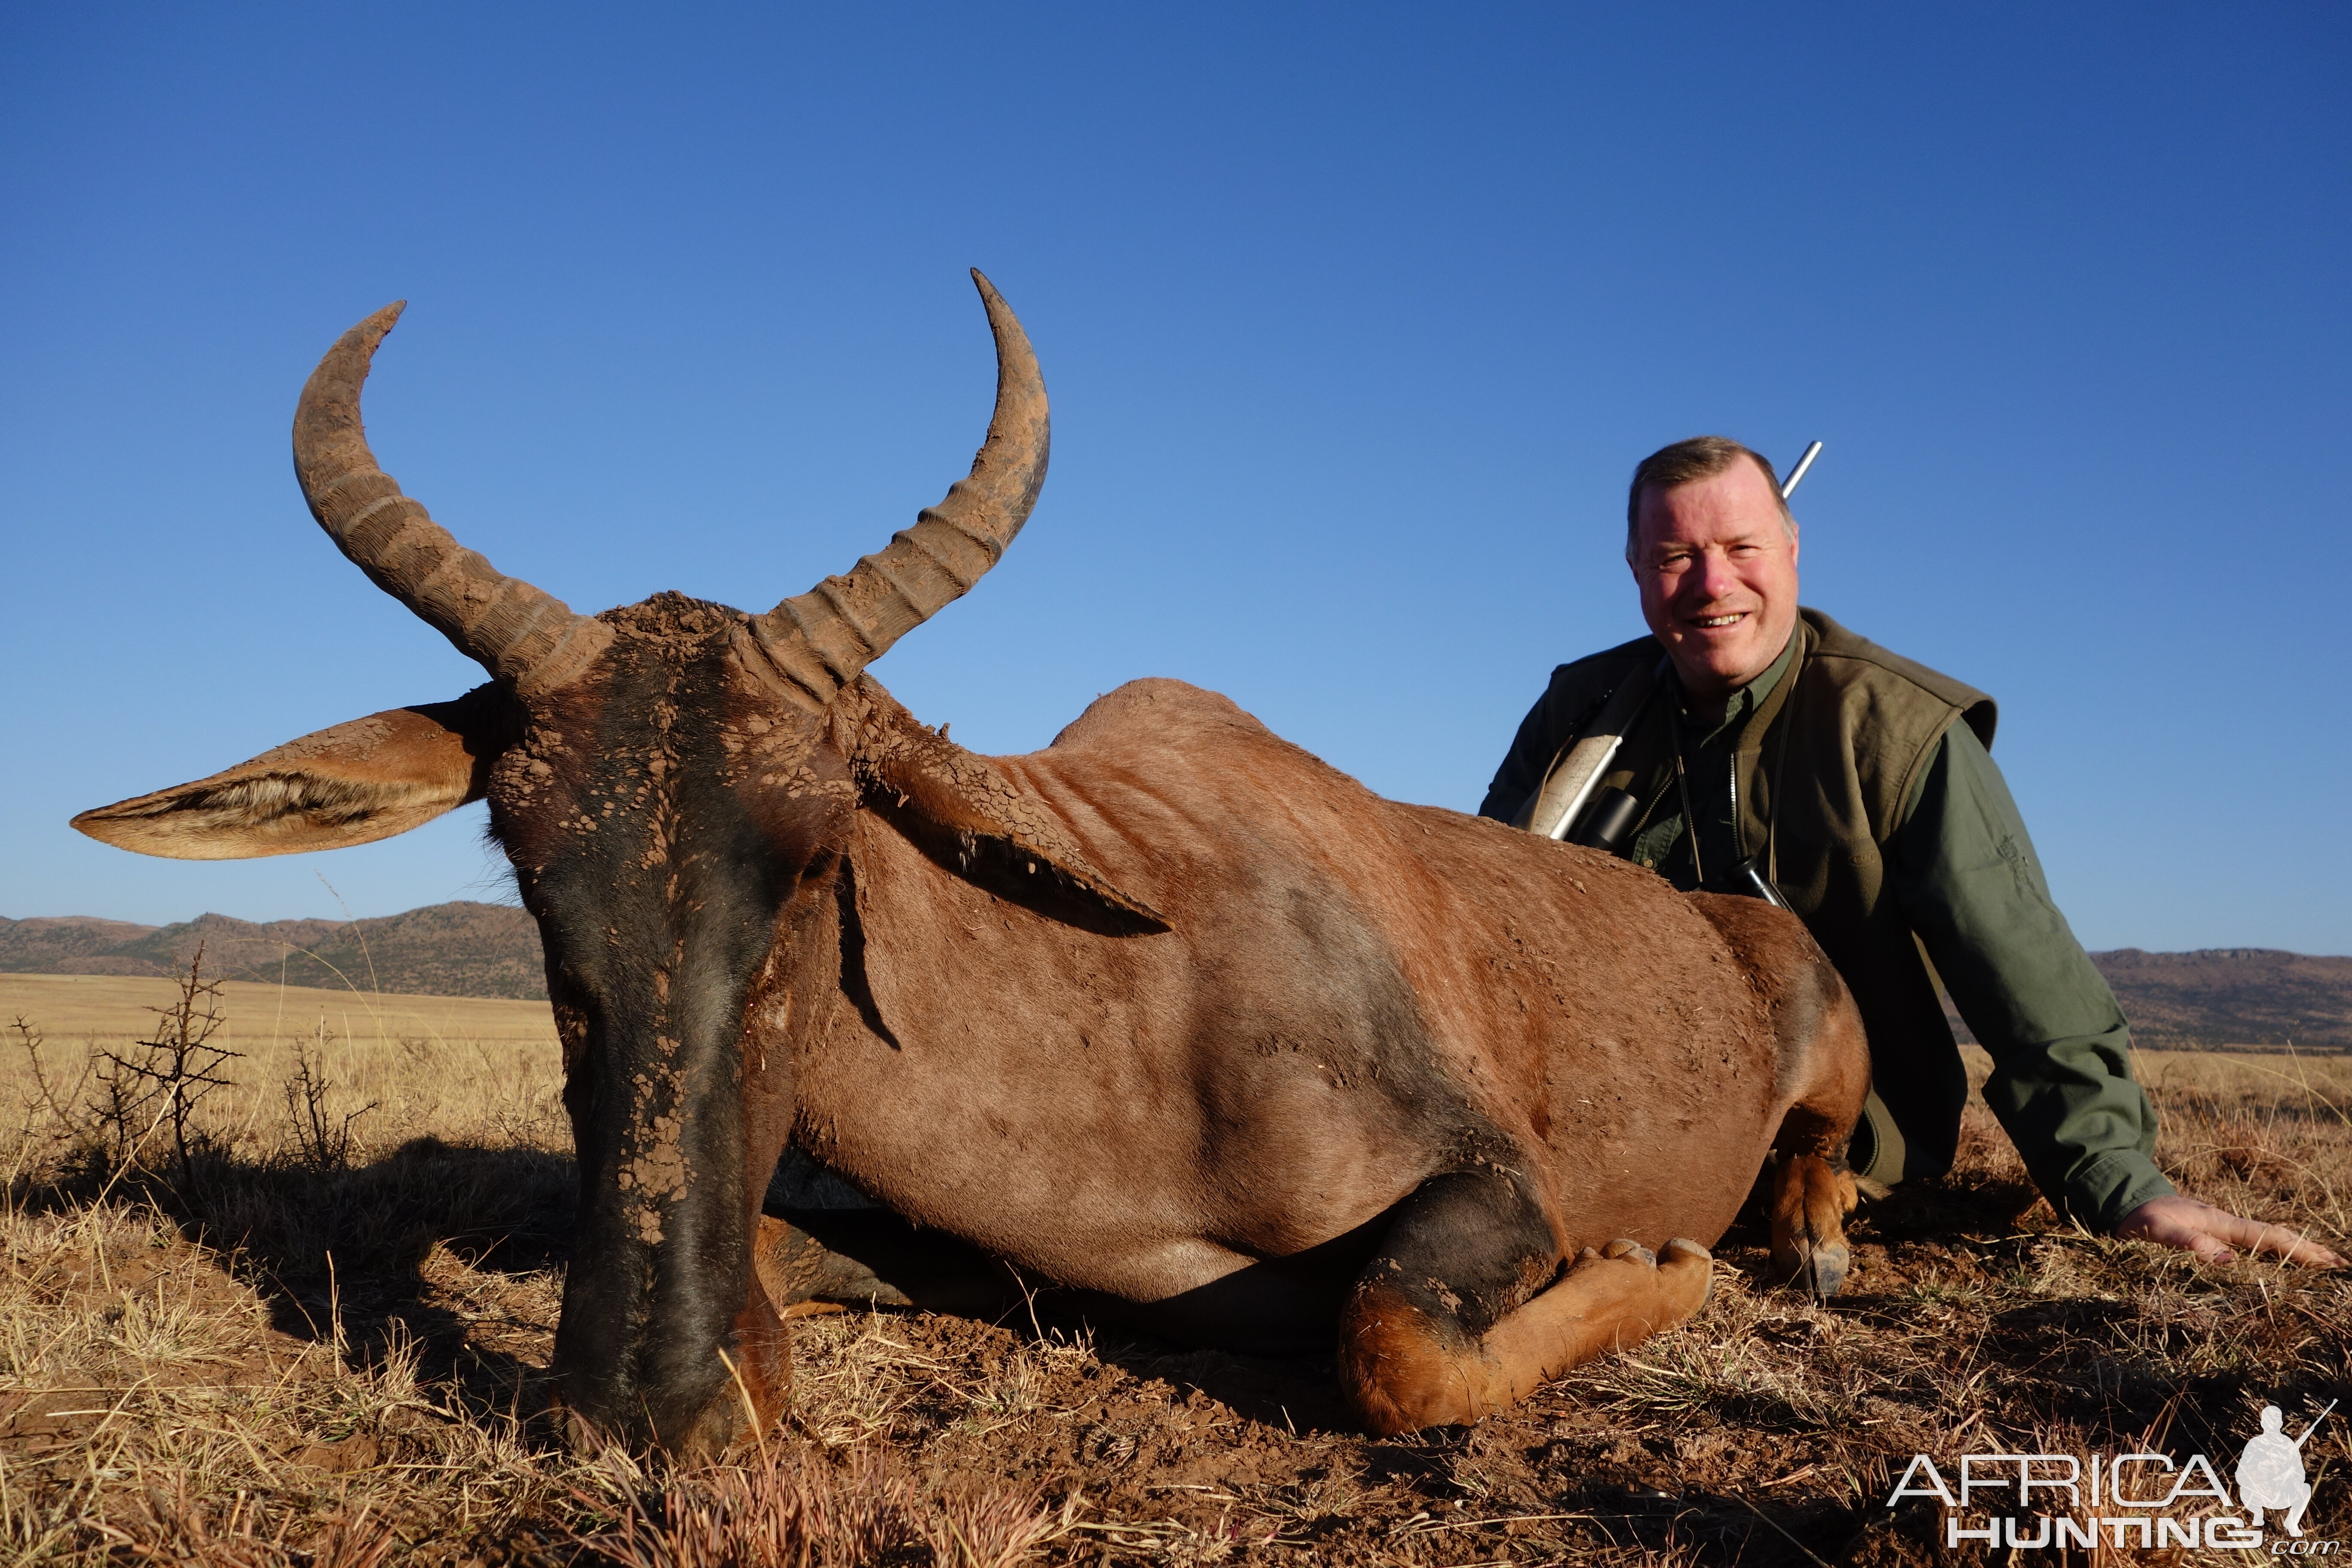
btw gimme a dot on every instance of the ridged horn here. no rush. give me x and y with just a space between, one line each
515 631
822 638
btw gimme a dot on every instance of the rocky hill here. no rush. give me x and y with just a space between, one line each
2233 995
2226 996
2219 997
442 950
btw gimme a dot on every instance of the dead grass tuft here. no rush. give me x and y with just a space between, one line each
798 1507
172 1527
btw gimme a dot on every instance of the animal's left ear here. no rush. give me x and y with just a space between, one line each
354 784
967 813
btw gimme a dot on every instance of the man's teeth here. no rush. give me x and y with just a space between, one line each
1720 620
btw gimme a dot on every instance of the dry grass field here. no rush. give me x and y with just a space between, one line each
321 1341
121 1007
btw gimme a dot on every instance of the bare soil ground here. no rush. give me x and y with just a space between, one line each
280 1355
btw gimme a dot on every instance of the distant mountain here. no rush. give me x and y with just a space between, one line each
2219 997
2226 996
442 950
66 944
2233 995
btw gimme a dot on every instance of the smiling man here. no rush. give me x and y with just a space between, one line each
1860 787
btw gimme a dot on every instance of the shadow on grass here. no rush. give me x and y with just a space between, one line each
344 1252
1719 1525
1290 1387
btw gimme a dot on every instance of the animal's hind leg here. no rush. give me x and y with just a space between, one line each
1811 1194
1822 1073
1812 1190
1451 1321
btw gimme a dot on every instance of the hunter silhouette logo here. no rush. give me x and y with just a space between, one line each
2270 1472
2142 1499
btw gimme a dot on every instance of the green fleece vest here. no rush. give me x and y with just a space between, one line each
1860 725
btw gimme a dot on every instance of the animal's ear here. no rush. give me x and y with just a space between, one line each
354 784
964 810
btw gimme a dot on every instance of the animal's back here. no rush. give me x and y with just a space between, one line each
1576 1002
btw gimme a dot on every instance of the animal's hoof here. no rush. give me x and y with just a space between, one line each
1682 1254
1620 1247
1827 1275
1819 1272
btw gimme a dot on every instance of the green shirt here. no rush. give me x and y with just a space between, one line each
1658 840
1962 870
1965 875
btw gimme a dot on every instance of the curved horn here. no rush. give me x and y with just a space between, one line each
518 633
822 638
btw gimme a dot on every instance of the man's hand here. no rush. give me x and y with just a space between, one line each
2217 1235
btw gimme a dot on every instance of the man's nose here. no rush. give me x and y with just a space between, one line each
1714 578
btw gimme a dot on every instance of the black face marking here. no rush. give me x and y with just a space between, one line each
1473 1242
1350 1001
853 982
657 850
1018 877
1465 1250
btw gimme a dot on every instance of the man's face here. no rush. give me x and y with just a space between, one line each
1718 570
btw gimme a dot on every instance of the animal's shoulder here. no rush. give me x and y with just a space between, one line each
1167 711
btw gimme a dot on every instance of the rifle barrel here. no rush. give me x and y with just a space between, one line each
1796 474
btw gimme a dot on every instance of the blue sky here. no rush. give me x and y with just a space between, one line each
1355 319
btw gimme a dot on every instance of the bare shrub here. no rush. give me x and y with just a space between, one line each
66 1108
170 1074
322 1142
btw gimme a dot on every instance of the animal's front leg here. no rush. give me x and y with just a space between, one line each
1449 1323
802 1275
761 1366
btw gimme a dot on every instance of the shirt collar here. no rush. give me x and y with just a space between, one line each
1751 697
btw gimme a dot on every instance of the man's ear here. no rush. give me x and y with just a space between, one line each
970 816
354 784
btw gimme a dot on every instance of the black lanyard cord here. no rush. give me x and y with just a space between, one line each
1779 771
1682 783
1785 719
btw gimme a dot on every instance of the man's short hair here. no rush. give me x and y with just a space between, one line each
1687 462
